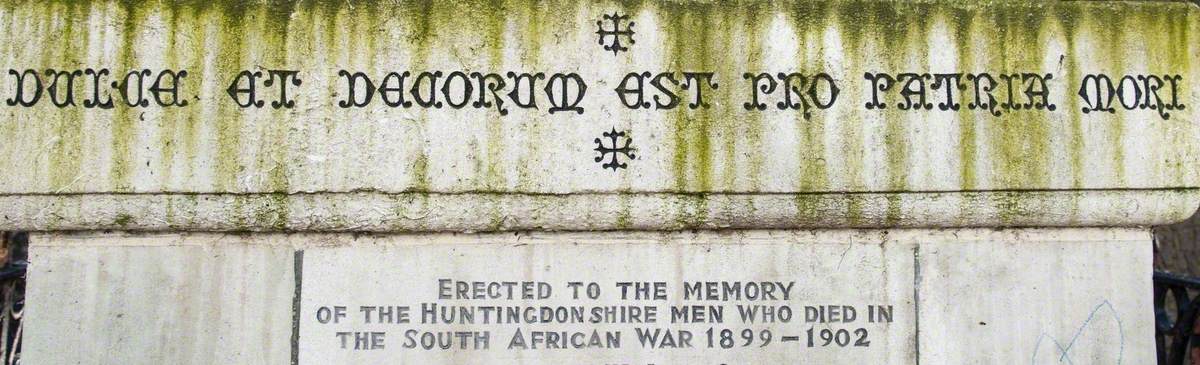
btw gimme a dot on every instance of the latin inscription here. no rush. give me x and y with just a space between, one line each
996 93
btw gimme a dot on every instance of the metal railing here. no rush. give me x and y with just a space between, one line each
1177 335
14 258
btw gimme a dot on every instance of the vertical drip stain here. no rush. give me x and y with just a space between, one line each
693 154
1175 37
808 22
962 22
755 31
724 124
1182 26
123 129
190 142
1070 24
67 155
419 17
852 17
528 20
277 26
169 119
895 38
1115 54
229 119
490 14
672 16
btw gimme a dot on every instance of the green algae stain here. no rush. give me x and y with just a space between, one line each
755 31
1114 53
529 18
276 27
624 218
1008 207
691 211
421 20
271 210
850 20
807 22
170 119
808 208
125 118
968 149
894 212
229 119
275 209
238 214
855 206
1021 137
123 220
894 27
420 169
491 15
67 156
1070 24
189 135
496 215
692 130
1180 61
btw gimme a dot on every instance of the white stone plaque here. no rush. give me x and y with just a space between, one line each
598 303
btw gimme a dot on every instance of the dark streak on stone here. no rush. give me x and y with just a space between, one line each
298 268
917 302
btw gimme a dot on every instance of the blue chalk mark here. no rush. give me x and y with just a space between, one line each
1065 352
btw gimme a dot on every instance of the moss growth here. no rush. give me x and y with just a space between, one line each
894 213
855 204
690 210
625 213
1009 209
123 220
238 207
271 211
808 208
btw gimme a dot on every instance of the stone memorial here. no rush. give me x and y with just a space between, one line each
595 182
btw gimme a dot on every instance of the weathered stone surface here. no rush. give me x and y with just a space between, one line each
847 165
1069 297
424 212
158 299
959 296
